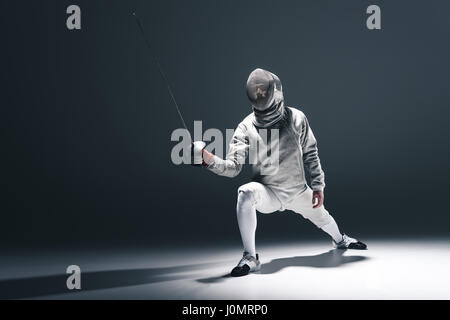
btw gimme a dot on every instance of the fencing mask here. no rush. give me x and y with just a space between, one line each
266 95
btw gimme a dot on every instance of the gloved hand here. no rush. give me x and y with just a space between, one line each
197 148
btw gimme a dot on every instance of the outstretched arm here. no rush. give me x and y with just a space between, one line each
238 151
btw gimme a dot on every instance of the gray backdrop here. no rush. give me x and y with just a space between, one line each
86 119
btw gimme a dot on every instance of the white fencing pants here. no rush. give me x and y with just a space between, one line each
255 196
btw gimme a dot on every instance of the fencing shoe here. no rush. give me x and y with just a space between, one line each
349 243
247 264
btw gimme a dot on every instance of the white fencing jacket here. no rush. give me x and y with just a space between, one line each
295 148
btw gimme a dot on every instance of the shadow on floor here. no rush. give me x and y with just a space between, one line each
330 259
56 284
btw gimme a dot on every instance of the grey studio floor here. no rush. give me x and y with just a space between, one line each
390 269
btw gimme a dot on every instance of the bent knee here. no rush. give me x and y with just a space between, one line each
248 192
246 195
320 218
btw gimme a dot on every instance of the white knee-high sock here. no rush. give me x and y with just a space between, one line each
333 230
246 216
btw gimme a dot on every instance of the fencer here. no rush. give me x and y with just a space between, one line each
279 187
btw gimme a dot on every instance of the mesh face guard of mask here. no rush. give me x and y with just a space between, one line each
260 89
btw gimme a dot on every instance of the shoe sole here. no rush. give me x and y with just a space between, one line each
258 268
349 248
363 246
